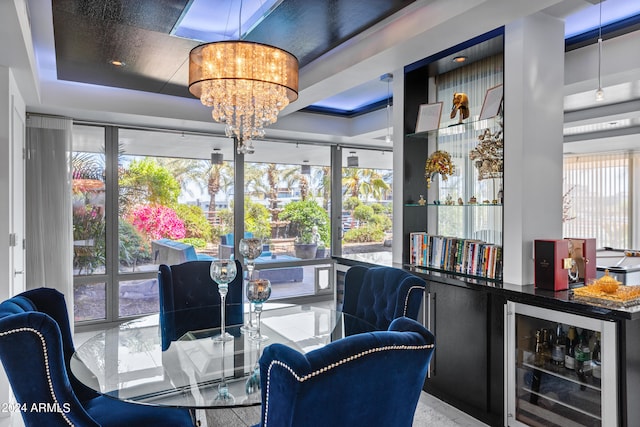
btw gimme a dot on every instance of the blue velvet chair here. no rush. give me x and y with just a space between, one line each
369 379
380 294
187 294
36 348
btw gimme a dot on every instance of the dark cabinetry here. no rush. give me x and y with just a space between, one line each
466 370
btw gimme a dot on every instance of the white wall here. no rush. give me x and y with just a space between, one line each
12 119
533 103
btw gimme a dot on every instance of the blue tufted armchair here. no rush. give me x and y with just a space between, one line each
187 293
380 294
36 348
369 379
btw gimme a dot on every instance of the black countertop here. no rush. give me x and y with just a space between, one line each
528 294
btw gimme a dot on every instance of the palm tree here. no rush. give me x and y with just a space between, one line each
364 183
351 181
186 171
320 184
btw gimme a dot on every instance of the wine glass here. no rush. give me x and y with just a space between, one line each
223 387
250 249
223 271
258 291
252 385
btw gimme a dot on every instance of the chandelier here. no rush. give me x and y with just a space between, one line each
246 83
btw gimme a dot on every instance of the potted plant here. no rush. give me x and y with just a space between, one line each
309 223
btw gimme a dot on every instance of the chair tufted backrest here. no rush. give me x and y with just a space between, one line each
369 379
35 348
187 294
380 294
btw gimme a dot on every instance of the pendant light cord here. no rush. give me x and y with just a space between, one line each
599 91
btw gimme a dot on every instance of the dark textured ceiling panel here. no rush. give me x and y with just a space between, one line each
89 34
310 28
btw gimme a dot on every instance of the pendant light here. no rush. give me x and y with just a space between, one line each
246 83
600 92
388 78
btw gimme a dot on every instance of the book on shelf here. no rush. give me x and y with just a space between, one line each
467 256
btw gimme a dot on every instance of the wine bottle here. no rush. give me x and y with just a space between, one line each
583 357
546 346
558 350
539 354
595 358
570 355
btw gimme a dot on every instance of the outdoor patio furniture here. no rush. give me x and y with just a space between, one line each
170 252
279 274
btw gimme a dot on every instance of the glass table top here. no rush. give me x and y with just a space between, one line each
127 363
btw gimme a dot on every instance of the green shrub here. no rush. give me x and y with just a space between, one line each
351 203
303 215
133 248
364 234
257 219
196 224
363 213
377 208
196 242
381 221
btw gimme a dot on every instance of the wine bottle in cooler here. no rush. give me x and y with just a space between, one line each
595 359
570 355
583 357
558 350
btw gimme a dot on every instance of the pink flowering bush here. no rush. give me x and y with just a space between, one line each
157 222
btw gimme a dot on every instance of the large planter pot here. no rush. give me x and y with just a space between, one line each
321 252
305 250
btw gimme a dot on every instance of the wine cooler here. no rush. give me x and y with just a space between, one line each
561 369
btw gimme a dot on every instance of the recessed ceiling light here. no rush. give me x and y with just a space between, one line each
117 63
459 59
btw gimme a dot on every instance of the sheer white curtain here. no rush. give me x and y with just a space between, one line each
49 236
597 198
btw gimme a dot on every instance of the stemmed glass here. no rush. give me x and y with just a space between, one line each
250 249
252 385
258 291
223 271
223 387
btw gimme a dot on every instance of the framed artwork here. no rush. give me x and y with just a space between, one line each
429 117
492 102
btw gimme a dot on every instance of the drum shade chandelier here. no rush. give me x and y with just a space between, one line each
246 83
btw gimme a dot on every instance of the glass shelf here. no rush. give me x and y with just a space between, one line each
457 128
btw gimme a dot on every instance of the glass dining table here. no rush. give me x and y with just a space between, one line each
126 362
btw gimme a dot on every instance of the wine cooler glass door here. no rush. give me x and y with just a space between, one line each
561 369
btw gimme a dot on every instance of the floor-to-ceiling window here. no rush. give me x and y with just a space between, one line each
287 194
89 223
135 190
367 192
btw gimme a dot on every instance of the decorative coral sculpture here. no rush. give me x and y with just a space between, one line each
438 163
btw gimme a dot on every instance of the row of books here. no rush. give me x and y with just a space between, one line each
466 256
